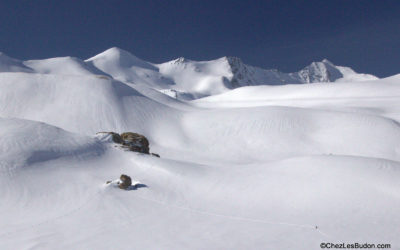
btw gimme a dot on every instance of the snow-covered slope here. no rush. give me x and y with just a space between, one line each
82 104
62 66
280 167
25 142
124 66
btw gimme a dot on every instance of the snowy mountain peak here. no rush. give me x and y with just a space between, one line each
119 58
324 71
241 75
120 64
233 60
245 75
114 54
180 60
327 61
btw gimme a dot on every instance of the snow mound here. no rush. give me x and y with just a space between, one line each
24 142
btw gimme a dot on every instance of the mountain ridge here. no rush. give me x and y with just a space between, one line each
185 78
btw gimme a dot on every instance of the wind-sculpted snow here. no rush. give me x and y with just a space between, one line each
24 142
256 167
244 134
83 104
63 66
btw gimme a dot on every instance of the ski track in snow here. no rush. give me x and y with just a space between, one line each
233 217
166 205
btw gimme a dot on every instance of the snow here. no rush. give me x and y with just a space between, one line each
62 66
255 167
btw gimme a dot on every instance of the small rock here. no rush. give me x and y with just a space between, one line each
126 182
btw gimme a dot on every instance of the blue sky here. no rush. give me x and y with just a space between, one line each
286 35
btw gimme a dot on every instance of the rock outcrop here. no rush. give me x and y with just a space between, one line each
128 140
135 142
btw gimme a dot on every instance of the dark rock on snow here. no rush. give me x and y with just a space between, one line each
132 141
126 182
135 142
116 138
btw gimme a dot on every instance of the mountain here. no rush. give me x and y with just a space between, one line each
325 71
182 78
217 76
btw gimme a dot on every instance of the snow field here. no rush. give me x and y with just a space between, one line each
252 168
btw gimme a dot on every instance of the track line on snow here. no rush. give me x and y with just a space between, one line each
236 217
231 217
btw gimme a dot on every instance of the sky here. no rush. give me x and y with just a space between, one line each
286 35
